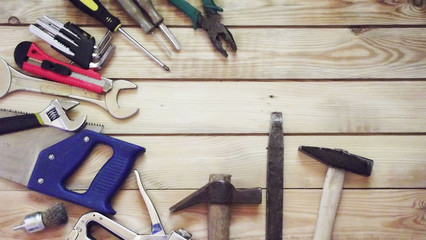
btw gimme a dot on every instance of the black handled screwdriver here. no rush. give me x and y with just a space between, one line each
96 10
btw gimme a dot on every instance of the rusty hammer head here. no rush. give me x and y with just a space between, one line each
219 193
339 158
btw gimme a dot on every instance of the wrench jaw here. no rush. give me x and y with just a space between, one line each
68 104
5 78
111 101
54 115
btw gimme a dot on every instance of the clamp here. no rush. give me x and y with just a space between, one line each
80 230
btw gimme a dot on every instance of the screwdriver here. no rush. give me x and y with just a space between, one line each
96 10
158 21
133 10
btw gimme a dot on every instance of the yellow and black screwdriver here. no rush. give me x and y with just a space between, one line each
96 10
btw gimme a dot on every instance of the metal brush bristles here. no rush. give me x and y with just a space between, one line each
54 216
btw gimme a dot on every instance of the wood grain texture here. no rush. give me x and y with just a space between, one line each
234 107
346 74
257 13
264 54
185 162
392 214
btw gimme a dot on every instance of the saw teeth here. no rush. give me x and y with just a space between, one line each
95 124
14 111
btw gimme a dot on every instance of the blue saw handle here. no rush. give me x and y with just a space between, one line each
49 176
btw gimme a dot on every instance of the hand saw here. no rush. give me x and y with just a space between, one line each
43 158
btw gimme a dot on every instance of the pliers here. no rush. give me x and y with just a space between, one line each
211 23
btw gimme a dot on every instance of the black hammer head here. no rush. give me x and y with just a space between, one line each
339 158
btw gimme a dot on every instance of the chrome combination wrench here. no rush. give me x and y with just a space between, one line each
12 80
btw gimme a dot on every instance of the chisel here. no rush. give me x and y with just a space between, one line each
96 10
275 179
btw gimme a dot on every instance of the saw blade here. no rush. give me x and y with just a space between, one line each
19 151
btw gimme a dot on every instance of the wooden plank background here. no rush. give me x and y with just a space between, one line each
345 74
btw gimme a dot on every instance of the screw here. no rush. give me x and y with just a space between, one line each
86 139
51 156
40 181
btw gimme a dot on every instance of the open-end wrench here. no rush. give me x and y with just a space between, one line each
11 80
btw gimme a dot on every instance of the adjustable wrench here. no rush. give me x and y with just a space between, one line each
53 115
11 80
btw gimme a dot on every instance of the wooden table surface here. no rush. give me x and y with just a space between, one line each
345 74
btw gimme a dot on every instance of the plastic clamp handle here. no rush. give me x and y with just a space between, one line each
211 7
189 10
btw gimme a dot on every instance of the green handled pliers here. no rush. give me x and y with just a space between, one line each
211 23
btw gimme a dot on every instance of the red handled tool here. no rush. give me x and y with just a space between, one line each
31 58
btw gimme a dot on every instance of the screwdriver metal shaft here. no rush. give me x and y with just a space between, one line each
161 44
133 10
170 36
142 48
158 21
96 10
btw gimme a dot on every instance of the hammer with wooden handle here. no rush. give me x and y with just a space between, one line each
219 193
339 161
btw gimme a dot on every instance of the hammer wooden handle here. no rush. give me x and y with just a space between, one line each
330 198
219 217
219 214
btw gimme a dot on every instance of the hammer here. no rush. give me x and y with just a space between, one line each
339 161
219 193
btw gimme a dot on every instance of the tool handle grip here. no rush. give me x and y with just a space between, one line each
149 8
133 10
31 50
333 185
189 10
211 7
18 123
219 221
96 10
69 154
84 48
